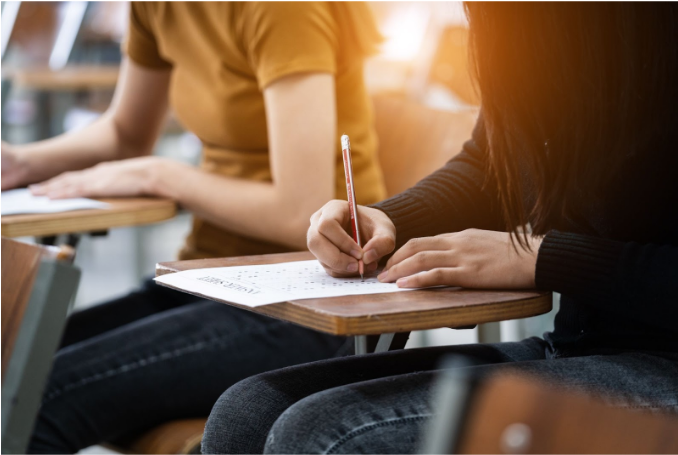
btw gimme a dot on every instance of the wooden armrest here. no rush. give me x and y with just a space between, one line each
176 437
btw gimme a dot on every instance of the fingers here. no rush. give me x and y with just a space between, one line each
70 184
377 247
420 262
46 187
330 243
418 245
330 226
447 276
63 186
379 231
331 257
369 269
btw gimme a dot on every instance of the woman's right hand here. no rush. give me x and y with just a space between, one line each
329 239
13 168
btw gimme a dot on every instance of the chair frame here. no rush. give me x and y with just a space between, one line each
37 340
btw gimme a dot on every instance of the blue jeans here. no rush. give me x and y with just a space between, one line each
378 403
158 355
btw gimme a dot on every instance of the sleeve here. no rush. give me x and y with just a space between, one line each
139 43
283 38
639 280
456 197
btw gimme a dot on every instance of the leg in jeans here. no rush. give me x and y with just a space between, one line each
385 413
150 299
169 365
243 416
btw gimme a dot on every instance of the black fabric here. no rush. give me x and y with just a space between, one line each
381 403
242 418
614 259
157 355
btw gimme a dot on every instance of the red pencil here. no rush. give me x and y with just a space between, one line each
350 191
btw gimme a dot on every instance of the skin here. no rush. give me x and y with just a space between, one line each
111 158
472 258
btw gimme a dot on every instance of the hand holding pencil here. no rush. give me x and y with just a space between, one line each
328 237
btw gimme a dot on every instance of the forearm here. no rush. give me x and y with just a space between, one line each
458 196
101 141
640 280
129 128
256 209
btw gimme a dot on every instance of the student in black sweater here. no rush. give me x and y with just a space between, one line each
569 184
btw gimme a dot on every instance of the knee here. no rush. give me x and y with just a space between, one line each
350 419
241 417
309 426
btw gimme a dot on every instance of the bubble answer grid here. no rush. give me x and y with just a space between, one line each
256 285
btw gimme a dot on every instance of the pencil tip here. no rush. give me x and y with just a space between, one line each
362 277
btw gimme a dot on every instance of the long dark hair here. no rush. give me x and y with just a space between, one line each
568 92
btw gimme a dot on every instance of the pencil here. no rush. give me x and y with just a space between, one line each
350 192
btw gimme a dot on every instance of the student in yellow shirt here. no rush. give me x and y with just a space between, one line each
268 88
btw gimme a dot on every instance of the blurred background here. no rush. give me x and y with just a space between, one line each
59 69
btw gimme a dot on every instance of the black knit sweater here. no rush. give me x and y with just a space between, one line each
615 265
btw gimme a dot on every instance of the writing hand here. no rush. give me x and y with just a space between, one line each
329 241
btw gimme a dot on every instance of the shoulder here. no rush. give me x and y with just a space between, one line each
294 18
279 11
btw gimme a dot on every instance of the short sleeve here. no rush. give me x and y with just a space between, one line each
283 38
140 44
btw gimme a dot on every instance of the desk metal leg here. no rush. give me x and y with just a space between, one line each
383 344
71 240
360 344
490 332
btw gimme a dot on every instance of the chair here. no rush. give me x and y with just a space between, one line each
39 285
415 140
178 437
518 414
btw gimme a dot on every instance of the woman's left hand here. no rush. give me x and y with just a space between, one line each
472 258
130 177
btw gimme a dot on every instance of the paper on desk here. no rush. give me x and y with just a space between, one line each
256 285
22 201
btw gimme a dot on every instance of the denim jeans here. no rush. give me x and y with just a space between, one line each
157 355
379 403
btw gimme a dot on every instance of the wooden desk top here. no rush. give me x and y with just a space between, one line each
385 313
122 212
67 79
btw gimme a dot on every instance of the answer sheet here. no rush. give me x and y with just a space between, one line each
256 285
19 201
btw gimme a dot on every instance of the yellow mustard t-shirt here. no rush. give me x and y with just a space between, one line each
224 54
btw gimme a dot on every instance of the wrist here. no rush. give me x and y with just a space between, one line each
535 244
20 164
163 177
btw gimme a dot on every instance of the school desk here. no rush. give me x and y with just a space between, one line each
46 83
122 212
384 314
70 78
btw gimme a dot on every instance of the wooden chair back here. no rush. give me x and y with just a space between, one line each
175 437
450 64
415 140
38 285
20 263
515 414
